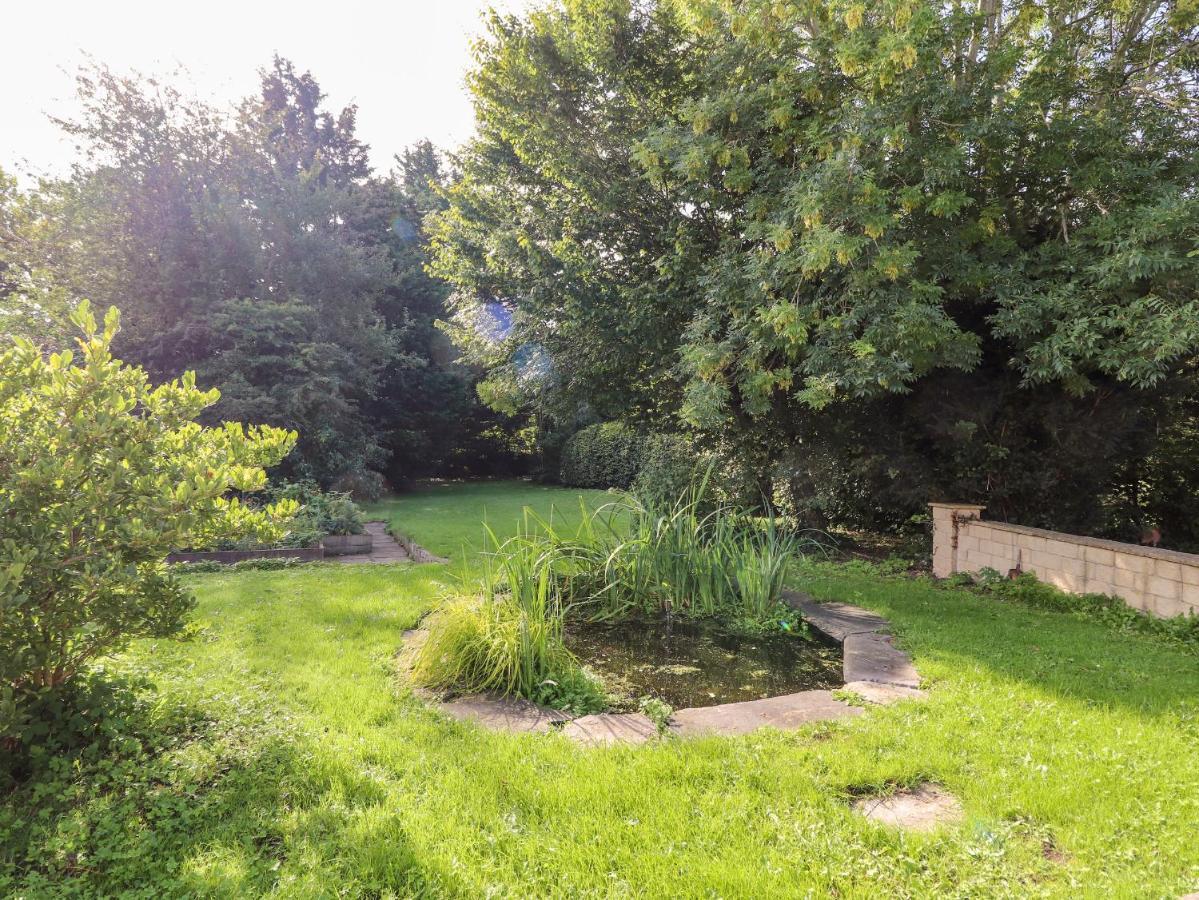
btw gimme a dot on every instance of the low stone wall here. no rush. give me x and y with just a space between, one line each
228 557
1162 582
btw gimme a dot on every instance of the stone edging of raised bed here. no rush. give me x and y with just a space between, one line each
873 668
415 551
228 557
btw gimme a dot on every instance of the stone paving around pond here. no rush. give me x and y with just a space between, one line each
874 669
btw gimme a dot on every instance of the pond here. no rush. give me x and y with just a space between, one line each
688 663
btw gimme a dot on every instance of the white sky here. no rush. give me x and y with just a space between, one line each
401 61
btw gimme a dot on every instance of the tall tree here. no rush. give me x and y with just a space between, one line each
227 244
912 248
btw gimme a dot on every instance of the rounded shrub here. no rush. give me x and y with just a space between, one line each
601 456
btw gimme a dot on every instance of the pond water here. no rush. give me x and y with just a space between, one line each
688 663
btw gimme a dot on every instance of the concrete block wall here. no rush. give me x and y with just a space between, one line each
1162 582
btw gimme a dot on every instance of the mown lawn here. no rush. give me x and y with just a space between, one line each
289 761
447 518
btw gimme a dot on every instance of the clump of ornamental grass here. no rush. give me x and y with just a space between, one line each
506 636
627 558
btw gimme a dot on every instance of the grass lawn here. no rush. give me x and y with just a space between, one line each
287 760
446 518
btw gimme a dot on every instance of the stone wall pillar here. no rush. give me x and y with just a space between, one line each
946 519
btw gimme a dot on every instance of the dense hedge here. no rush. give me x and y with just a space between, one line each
601 456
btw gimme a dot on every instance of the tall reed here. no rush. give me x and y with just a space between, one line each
504 633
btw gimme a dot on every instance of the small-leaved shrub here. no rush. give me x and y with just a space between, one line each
321 513
607 455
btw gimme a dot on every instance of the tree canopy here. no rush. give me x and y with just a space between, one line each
258 249
887 251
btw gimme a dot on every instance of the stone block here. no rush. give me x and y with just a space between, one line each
872 657
1043 560
1099 555
1168 608
1164 569
611 728
1142 601
1125 579
1190 575
995 536
1190 595
1073 566
1065 549
1064 581
1100 574
837 620
1133 563
786 712
1164 587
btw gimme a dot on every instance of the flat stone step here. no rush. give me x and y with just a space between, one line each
884 694
611 728
837 620
921 809
786 712
503 713
384 549
873 657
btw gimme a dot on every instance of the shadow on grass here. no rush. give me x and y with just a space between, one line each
233 810
1053 651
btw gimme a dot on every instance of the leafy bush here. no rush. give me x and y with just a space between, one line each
101 476
321 513
668 467
601 456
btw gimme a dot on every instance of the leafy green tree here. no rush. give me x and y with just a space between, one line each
32 304
571 269
912 249
228 245
101 475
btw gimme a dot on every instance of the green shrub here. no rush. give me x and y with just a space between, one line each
101 476
601 456
321 513
669 465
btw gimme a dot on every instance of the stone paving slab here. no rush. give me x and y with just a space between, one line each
872 657
384 549
837 620
786 712
611 728
884 694
503 713
921 809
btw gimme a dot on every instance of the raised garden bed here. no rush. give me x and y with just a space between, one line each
228 557
346 544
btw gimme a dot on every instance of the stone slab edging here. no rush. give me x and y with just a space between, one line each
415 551
873 668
